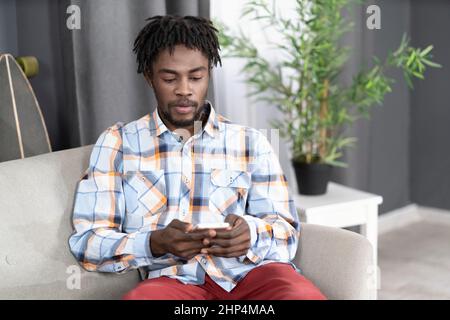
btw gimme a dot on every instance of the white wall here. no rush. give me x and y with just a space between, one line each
230 89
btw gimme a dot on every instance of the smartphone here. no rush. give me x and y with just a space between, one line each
211 225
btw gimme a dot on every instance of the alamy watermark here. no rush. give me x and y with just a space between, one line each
73 22
373 277
272 136
374 19
73 281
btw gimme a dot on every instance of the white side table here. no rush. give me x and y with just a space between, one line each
343 207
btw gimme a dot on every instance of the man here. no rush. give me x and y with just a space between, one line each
151 181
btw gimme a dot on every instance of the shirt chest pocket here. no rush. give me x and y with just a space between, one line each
145 192
228 191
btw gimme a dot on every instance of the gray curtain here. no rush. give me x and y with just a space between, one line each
101 82
380 161
430 132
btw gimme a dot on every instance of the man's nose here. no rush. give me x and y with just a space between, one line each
183 88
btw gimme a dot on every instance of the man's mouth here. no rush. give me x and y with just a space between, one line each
184 108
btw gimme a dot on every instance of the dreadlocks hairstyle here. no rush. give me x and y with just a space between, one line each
165 32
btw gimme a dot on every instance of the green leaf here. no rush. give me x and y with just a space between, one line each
418 75
408 80
411 59
431 64
336 163
426 51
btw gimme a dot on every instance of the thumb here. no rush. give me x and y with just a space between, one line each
231 219
180 225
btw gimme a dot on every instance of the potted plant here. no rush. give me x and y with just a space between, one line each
303 84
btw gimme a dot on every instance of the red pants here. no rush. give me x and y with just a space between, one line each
273 281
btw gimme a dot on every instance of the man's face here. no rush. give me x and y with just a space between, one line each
180 82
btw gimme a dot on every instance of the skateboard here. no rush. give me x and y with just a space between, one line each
23 132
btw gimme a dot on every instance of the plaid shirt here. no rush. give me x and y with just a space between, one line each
141 176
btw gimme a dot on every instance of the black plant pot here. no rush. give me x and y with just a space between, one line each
312 178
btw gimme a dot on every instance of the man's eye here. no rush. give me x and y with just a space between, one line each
196 78
168 80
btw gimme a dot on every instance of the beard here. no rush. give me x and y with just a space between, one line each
183 123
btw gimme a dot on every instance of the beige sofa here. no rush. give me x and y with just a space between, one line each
36 202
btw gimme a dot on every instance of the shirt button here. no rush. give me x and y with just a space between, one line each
203 260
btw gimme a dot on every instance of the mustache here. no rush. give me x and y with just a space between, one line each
183 103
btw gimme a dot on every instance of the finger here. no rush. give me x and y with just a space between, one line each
209 232
196 246
180 225
194 235
229 234
240 239
199 235
189 247
231 219
192 252
230 243
188 255
238 222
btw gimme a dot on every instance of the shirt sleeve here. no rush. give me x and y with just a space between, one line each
270 210
98 242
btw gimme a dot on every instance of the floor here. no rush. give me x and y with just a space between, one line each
414 261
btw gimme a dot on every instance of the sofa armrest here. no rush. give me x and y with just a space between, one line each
36 206
337 261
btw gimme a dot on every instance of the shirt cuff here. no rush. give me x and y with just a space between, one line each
141 246
253 229
253 226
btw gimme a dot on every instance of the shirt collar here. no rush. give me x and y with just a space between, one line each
212 124
211 127
156 124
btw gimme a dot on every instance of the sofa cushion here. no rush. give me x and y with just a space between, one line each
36 203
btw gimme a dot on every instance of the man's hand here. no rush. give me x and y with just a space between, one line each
233 242
178 239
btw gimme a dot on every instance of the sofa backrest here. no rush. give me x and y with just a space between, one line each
36 203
